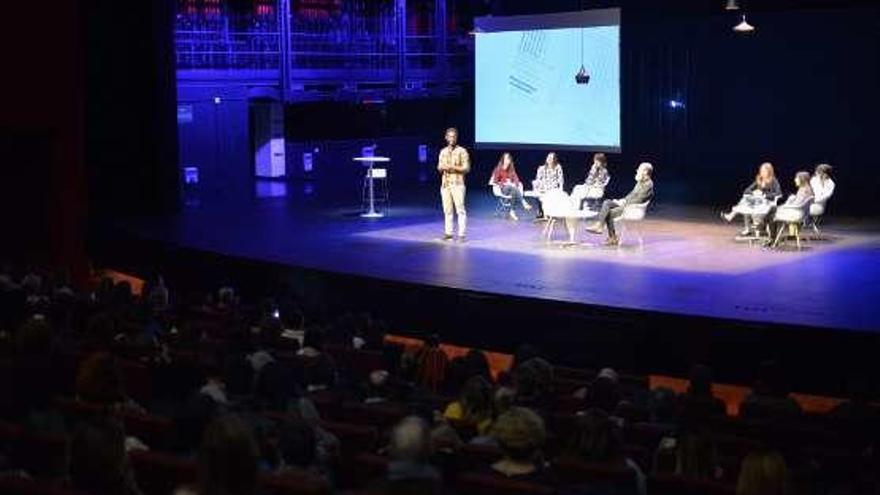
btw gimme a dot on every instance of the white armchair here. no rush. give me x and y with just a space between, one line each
793 217
558 205
633 215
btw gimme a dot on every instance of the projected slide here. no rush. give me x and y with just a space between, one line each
526 93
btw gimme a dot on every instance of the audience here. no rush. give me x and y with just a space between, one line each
698 402
409 471
770 397
521 435
209 355
228 460
596 439
763 472
98 461
473 409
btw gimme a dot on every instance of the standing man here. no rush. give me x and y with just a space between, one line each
453 164
612 208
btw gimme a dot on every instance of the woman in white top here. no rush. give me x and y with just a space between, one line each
823 186
548 178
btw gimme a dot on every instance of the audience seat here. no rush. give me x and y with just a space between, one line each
353 438
14 485
574 471
293 483
368 467
676 485
487 484
158 473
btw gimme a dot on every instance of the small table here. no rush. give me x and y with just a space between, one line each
370 160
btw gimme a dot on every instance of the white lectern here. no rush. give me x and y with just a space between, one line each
370 160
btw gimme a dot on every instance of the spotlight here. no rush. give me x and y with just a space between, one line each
217 100
675 104
732 5
743 26
582 76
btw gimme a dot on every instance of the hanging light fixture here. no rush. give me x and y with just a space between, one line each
743 26
732 5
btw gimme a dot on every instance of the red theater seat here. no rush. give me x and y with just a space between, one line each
575 471
487 484
676 485
368 467
159 474
13 485
293 483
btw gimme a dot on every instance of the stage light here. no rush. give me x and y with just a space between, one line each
743 26
732 5
217 100
675 104
582 76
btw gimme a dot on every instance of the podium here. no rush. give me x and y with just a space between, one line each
371 196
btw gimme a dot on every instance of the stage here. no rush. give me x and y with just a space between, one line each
689 263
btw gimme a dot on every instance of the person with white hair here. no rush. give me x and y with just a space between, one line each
410 470
642 192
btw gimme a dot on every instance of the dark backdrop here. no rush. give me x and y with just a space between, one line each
801 90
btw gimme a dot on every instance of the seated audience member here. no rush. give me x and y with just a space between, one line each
756 199
596 439
797 201
603 394
858 407
533 382
762 473
504 176
36 380
548 178
641 193
521 435
98 461
298 448
430 364
691 454
99 381
319 369
770 398
698 402
473 408
228 460
191 420
822 184
597 179
410 471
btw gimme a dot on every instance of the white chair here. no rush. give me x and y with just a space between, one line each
632 216
594 193
504 201
558 206
379 176
817 211
793 217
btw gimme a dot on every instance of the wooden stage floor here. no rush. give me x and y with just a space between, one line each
689 264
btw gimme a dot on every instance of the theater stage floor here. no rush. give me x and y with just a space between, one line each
689 263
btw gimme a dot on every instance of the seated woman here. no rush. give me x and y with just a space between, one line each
504 176
473 409
795 202
521 434
593 187
595 439
549 178
822 184
757 199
